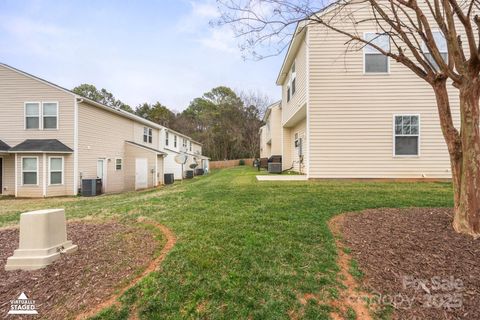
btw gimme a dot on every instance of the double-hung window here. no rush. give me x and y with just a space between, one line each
190 145
55 173
441 43
147 135
374 61
29 171
50 115
166 138
174 141
407 135
292 80
32 115
118 164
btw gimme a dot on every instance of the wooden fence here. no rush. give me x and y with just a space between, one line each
229 163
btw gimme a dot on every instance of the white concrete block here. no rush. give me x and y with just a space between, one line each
43 238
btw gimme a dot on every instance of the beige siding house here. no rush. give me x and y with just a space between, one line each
51 139
270 132
356 114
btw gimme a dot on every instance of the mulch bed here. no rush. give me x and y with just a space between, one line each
414 260
109 255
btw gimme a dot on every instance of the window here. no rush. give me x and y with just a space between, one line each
166 138
174 141
118 164
55 173
147 135
184 143
50 115
374 61
288 93
32 115
30 171
296 140
407 132
293 77
441 43
190 145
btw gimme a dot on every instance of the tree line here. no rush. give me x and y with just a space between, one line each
224 121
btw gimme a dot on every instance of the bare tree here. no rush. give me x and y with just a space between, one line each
410 26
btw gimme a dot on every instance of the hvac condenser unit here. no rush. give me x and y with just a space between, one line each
274 167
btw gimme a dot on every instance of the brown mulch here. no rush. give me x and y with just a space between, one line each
109 255
414 261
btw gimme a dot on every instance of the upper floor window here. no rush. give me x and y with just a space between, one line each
441 43
166 138
293 78
375 61
50 115
47 111
190 145
55 173
288 93
174 141
184 143
32 115
147 134
30 171
407 133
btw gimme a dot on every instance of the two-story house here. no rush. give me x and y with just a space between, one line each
356 113
272 128
51 139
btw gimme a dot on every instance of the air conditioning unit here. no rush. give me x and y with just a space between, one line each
91 187
274 167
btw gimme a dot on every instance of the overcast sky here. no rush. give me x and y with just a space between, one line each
141 51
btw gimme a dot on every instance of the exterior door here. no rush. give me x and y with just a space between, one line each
1 175
141 173
101 173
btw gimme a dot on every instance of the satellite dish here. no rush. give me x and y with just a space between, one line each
181 158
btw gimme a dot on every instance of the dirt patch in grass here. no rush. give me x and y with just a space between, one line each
109 256
415 264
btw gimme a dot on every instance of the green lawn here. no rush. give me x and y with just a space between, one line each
245 249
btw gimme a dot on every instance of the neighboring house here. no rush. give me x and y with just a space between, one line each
52 138
357 114
270 133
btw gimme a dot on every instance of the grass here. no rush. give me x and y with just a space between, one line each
245 249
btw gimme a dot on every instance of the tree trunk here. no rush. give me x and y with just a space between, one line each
467 192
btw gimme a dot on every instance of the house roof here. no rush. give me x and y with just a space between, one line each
145 147
269 109
118 111
297 38
4 146
41 146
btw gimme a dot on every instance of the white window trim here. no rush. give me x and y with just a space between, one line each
50 171
293 76
58 117
121 164
149 135
40 115
22 171
419 135
40 119
167 138
424 47
365 53
175 141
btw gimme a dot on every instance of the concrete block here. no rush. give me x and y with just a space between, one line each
43 238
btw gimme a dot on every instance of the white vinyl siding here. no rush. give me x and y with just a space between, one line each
29 170
55 170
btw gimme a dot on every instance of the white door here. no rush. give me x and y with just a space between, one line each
141 173
101 173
